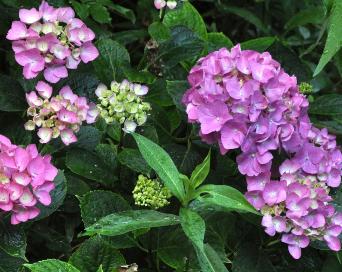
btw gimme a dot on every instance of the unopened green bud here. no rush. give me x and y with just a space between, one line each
305 88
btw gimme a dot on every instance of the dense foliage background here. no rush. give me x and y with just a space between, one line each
99 172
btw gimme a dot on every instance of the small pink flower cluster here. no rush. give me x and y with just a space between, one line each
51 39
25 180
60 115
244 99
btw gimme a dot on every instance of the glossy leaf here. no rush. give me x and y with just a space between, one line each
201 172
51 265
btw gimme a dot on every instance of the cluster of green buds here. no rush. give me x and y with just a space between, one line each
150 193
305 88
123 103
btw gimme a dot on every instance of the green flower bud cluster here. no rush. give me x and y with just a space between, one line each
123 103
150 193
305 88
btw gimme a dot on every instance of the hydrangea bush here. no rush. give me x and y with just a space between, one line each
170 135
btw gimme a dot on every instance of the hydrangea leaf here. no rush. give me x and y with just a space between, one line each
13 240
217 40
12 96
201 172
51 265
10 263
160 161
127 221
95 252
329 104
259 44
132 159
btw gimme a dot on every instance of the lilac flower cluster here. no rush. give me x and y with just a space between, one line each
244 99
50 39
60 115
25 180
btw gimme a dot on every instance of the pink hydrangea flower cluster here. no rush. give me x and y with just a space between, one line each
60 115
160 4
26 179
244 99
51 40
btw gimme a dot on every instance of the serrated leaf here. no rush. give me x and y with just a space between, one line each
217 40
334 39
98 204
89 165
127 221
51 265
95 252
329 104
113 57
12 95
224 197
132 159
10 263
259 44
100 14
88 138
176 90
82 10
187 16
13 240
57 196
183 45
160 161
201 172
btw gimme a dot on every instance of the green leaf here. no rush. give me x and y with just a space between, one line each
217 40
108 154
259 44
129 36
176 90
100 14
312 15
13 240
132 159
334 39
139 76
9 263
51 265
76 186
187 16
224 197
12 95
193 226
89 165
98 204
246 15
160 161
114 131
183 45
82 10
329 104
88 138
201 172
57 197
123 222
159 32
331 264
95 252
113 57
124 12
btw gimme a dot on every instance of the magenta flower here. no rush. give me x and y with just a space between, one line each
60 115
51 40
26 180
295 243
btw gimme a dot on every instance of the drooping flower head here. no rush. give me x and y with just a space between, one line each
244 99
26 179
51 40
123 103
58 116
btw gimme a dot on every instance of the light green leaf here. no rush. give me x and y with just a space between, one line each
98 204
259 44
82 10
111 61
12 95
159 32
312 15
100 13
334 39
132 159
223 197
123 222
187 16
160 161
209 260
95 252
51 265
193 226
201 172
217 40
329 104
